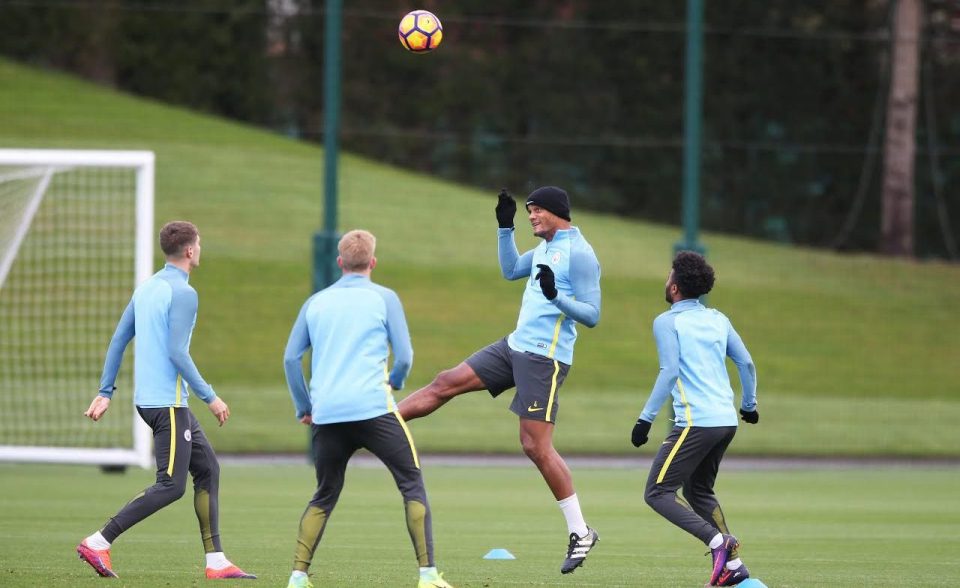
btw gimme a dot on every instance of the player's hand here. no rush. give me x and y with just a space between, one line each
220 410
306 419
640 431
750 416
506 209
547 281
99 406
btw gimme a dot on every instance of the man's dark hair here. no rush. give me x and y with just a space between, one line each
176 235
692 274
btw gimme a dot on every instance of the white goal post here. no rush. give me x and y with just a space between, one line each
76 237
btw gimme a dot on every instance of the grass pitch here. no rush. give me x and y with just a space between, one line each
855 354
874 527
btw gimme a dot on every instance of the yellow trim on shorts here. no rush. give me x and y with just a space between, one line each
406 431
179 384
683 435
556 336
553 389
173 437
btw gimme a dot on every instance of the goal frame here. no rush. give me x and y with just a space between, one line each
142 162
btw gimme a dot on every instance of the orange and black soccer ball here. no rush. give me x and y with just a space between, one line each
420 31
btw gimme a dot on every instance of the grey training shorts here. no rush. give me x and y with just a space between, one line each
537 378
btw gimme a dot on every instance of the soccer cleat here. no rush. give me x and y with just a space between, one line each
720 555
99 559
300 582
435 581
231 572
733 577
578 549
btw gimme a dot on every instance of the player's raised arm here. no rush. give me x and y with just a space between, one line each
513 266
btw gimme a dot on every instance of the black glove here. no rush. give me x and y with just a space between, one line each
547 281
640 430
750 416
506 209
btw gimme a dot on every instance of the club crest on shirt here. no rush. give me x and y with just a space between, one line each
556 258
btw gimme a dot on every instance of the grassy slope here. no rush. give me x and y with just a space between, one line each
798 528
855 354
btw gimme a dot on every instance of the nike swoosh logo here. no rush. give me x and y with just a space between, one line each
532 409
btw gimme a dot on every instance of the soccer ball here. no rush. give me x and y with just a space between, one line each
420 31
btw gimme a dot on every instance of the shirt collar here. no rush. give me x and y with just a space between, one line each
686 303
352 277
565 234
184 274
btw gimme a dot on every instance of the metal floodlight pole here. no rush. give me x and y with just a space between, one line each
692 129
325 241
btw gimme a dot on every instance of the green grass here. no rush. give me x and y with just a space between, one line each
799 528
855 354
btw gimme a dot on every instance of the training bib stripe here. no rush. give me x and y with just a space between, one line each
686 405
556 336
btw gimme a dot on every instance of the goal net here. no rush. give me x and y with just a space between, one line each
76 237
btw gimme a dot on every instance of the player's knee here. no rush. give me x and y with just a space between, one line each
652 494
171 490
536 450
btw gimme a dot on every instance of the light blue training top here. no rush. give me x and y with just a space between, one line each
161 314
693 342
547 327
351 327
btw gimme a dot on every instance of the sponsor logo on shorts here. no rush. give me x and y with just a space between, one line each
535 408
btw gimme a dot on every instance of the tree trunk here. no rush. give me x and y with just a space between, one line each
896 223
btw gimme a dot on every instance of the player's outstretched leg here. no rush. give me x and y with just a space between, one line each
99 559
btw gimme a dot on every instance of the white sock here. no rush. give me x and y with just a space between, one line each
716 542
734 564
217 560
570 506
96 541
428 573
297 574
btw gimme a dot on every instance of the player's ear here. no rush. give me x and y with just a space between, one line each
339 262
373 262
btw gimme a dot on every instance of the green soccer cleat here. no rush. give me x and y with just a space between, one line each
300 582
433 581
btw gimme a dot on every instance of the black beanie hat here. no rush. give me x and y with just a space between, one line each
551 198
